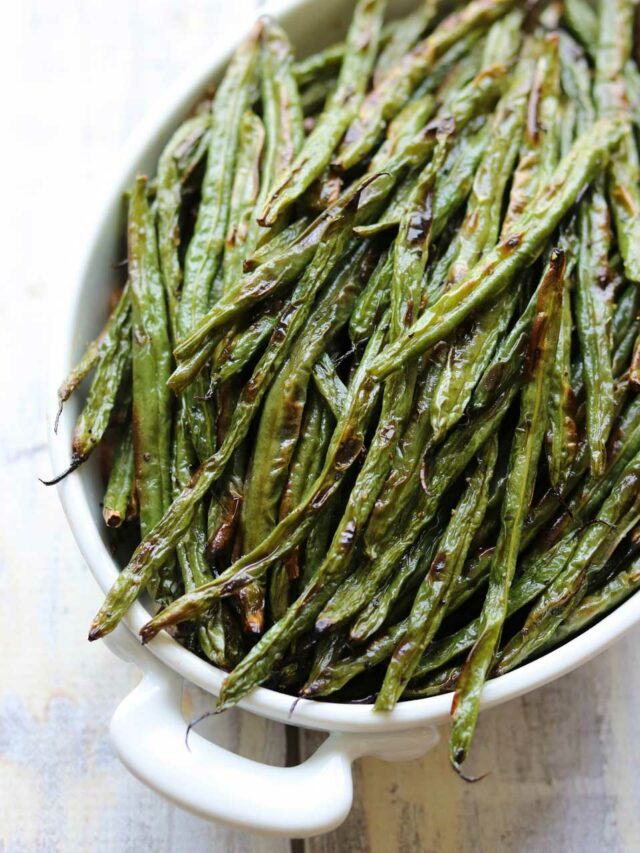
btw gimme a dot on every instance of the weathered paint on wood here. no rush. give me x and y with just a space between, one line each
564 761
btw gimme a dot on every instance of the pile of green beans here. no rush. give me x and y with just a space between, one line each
366 401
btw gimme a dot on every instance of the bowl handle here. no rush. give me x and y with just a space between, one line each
148 732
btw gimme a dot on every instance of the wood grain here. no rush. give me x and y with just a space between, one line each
564 761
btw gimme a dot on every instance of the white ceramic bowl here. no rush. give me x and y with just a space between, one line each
147 728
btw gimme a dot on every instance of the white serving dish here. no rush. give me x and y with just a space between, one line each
148 728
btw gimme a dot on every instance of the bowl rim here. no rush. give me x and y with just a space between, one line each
261 701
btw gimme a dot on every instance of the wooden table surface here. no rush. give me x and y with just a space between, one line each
564 761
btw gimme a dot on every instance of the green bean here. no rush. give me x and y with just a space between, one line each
151 413
154 550
206 246
525 451
378 325
405 34
582 20
278 269
184 150
223 523
82 369
504 37
443 681
244 193
282 112
461 105
498 268
151 364
613 52
330 386
98 351
624 442
619 514
593 318
117 496
562 434
361 48
423 217
465 586
410 254
396 207
389 96
431 602
539 152
180 157
346 445
224 511
323 192
112 354
592 303
226 501
585 500
369 616
322 531
281 417
632 81
301 613
191 152
506 363
458 65
373 472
